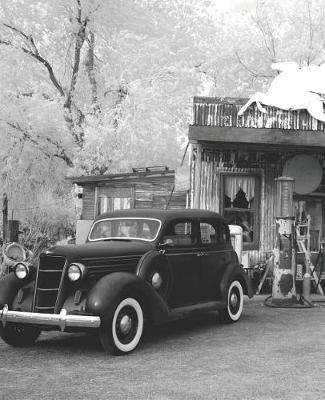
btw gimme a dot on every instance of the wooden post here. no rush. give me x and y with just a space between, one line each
96 201
197 176
5 217
13 230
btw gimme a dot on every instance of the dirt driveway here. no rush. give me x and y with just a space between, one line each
270 354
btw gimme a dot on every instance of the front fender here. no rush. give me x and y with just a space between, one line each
235 272
9 287
103 297
152 262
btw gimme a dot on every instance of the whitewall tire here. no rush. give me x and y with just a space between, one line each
123 333
235 303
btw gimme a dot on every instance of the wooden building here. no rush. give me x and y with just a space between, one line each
235 160
149 187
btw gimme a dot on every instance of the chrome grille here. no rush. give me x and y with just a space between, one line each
48 282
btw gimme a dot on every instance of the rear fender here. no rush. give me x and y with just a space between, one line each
235 272
103 297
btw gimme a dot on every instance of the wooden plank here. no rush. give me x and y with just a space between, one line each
269 264
219 100
262 136
197 176
114 192
88 199
223 112
95 202
127 177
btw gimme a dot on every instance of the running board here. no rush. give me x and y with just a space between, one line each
181 312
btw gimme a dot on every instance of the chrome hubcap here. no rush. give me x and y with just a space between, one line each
156 280
233 300
125 324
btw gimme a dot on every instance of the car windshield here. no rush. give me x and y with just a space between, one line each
125 228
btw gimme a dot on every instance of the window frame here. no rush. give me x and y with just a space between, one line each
217 226
255 244
176 221
112 194
125 219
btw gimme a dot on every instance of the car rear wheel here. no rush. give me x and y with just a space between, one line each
235 303
19 335
123 330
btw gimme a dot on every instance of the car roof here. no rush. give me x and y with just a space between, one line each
163 215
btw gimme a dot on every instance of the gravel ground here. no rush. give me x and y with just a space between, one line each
269 354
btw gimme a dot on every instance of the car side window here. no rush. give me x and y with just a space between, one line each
208 233
180 234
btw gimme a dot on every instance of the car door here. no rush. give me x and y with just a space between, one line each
181 250
215 253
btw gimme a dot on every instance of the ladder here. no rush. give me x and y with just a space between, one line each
303 243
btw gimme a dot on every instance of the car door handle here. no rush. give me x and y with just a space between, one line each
201 254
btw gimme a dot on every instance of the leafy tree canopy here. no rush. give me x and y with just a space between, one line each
100 86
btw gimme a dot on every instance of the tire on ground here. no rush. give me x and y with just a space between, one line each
235 303
122 331
19 335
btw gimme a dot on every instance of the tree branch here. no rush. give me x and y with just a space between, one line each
80 38
61 153
34 53
91 72
265 29
311 33
73 115
252 72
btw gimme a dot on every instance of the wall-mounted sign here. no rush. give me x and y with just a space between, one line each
306 171
294 88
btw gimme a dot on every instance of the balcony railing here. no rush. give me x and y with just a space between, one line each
223 112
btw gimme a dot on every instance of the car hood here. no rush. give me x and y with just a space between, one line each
102 249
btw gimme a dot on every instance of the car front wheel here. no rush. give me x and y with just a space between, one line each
19 335
235 303
122 332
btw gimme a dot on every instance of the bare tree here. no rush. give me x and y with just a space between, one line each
73 115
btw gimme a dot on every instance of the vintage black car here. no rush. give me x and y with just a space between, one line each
138 267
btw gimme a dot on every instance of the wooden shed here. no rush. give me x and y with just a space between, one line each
235 160
148 187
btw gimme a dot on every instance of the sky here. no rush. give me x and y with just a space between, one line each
236 5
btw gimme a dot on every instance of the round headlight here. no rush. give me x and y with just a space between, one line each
156 280
76 272
21 270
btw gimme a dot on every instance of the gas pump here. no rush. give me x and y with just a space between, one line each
284 289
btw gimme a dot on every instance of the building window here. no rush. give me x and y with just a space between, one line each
108 204
241 205
112 199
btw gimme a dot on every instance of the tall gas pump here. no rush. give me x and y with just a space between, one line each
284 289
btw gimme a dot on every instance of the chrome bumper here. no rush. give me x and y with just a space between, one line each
61 320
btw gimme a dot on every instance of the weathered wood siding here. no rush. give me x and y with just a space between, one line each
88 202
148 193
158 193
254 143
207 165
223 112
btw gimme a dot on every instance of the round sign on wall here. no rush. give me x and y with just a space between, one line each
306 171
